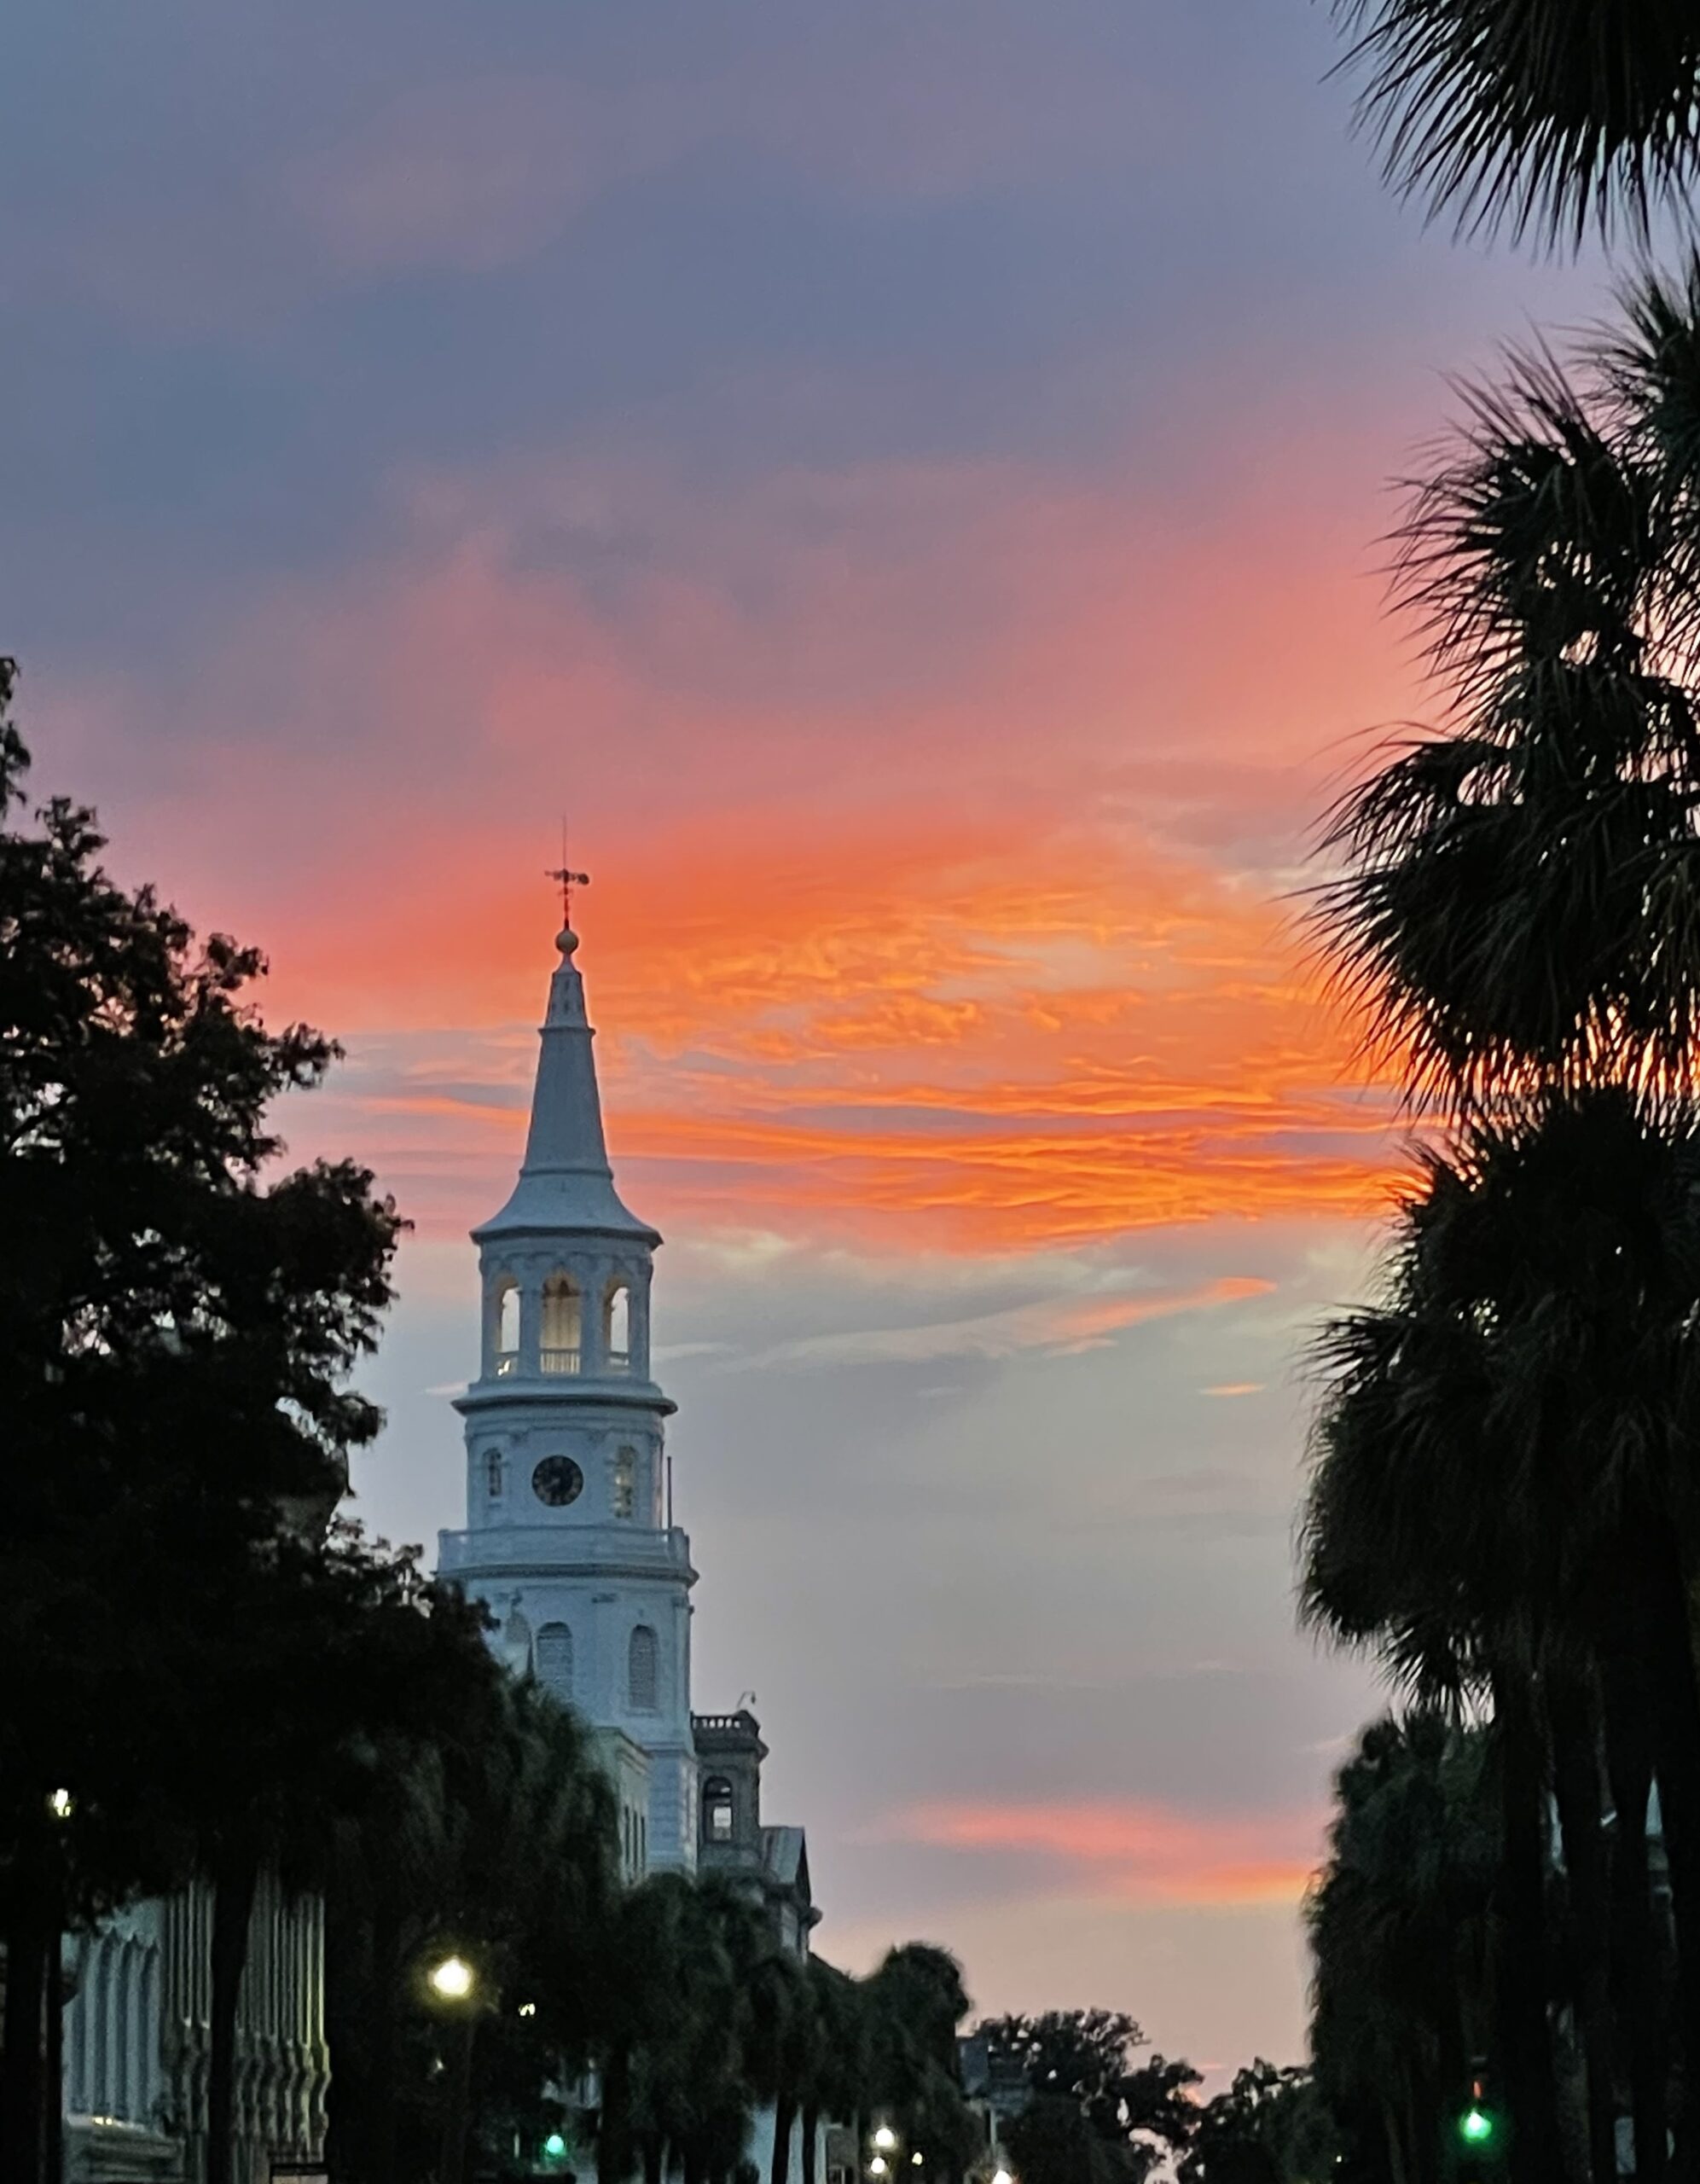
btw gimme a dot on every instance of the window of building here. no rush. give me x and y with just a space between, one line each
563 1328
506 1319
642 1671
626 1482
493 1474
555 1661
617 1326
717 1809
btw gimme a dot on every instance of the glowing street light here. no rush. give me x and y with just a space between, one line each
878 2166
452 1979
915 2158
885 2138
1003 2176
61 1805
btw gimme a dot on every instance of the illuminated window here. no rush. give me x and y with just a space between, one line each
617 1326
626 1482
717 1809
562 1329
506 1319
642 1671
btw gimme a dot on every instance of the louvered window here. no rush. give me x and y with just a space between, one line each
643 1670
554 1661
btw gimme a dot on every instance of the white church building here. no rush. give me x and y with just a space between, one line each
569 1539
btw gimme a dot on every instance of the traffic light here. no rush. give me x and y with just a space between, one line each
1480 2131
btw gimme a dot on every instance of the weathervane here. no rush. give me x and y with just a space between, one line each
566 879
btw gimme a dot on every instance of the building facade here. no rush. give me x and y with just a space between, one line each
137 2031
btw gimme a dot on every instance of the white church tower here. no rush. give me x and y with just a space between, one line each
568 1537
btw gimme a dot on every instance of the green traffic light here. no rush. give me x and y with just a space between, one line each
1475 2129
554 2146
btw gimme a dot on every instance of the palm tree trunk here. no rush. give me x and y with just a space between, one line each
1523 1984
1676 1764
785 2122
53 2071
1573 1712
387 1983
1637 1950
811 2141
235 1882
457 2108
613 2149
22 2071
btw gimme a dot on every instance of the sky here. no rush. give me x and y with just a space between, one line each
907 484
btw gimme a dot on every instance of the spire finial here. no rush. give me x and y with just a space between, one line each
566 939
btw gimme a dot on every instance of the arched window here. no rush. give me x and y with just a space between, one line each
555 1661
505 1325
626 1483
563 1331
493 1469
717 1809
642 1671
617 1326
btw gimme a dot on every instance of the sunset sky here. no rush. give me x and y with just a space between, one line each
903 477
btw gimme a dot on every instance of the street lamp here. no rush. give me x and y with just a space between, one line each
453 1978
1003 2176
878 2166
885 2138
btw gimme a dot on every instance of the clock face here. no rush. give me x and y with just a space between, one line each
556 1481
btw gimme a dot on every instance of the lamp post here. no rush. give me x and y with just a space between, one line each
455 1983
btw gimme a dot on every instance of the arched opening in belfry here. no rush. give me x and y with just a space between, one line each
505 1325
561 1350
617 1326
719 1810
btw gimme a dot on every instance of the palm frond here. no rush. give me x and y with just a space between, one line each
1544 116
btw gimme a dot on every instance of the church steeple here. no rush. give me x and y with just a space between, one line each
569 1535
565 1181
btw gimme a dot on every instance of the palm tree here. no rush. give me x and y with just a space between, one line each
1502 1500
1540 114
1399 1920
835 2087
1516 905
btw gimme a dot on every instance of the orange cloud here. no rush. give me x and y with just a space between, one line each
941 818
889 1041
1136 1850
